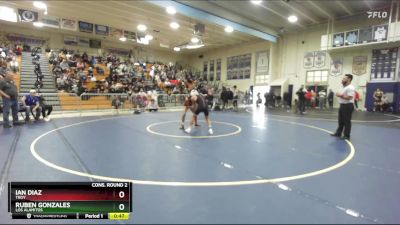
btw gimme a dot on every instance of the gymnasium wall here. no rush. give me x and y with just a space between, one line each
296 44
55 40
229 51
288 53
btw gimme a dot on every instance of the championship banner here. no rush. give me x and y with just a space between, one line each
53 22
70 40
380 33
319 59
351 37
101 30
359 65
68 24
336 67
25 39
85 27
27 15
130 35
116 33
84 42
338 39
308 60
94 43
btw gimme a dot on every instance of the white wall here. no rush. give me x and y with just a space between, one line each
287 56
294 45
226 52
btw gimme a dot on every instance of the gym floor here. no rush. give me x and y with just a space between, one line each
259 166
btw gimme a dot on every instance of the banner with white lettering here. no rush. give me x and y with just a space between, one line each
101 30
53 22
336 67
319 59
308 60
68 24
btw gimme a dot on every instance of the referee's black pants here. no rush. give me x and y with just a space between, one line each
345 112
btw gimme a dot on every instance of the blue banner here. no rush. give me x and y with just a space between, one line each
101 30
85 27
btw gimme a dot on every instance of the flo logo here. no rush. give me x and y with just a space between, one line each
377 14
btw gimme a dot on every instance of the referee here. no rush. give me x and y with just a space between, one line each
346 100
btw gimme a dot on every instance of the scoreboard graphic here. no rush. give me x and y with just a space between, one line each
70 200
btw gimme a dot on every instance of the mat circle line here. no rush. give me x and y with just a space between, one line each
237 131
188 184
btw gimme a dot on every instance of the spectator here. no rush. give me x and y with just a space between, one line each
224 97
9 93
258 99
301 94
80 65
378 102
235 97
385 103
330 99
152 106
90 72
64 65
230 96
117 103
266 97
81 75
3 69
32 103
287 101
322 96
308 100
93 61
46 109
271 99
356 99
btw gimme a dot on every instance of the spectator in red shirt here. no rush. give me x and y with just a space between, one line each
356 99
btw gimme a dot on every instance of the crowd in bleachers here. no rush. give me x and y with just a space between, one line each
74 72
81 73
8 58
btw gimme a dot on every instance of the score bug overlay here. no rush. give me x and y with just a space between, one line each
70 200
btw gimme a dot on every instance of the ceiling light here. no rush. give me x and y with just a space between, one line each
256 2
148 37
228 29
195 40
174 25
38 24
162 45
292 18
143 41
122 38
194 46
141 27
177 49
171 10
40 5
8 14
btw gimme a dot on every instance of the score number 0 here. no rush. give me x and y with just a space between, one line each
121 206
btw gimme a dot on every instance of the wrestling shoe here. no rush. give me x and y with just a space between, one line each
188 130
